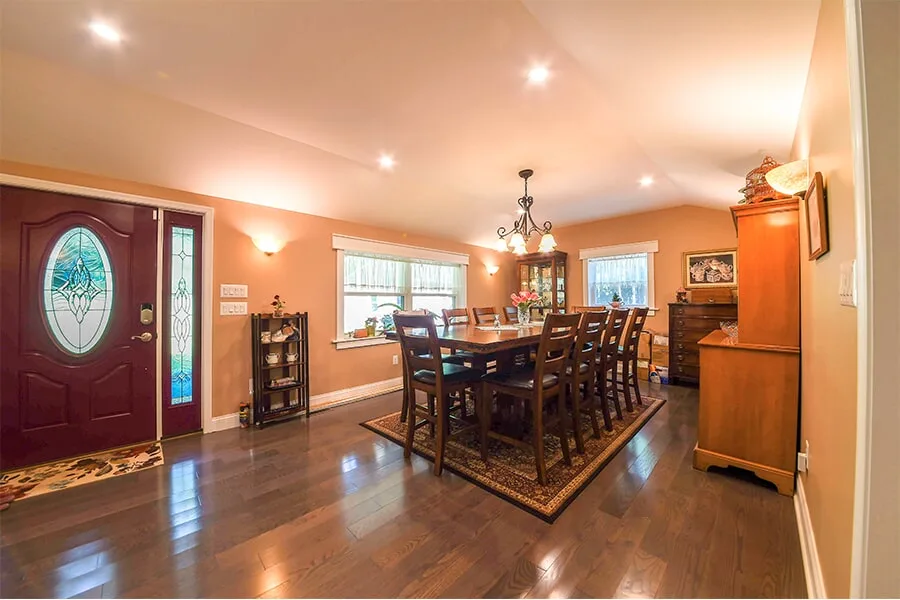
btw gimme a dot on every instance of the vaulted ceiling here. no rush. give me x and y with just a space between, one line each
290 104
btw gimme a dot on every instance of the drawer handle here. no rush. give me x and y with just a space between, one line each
679 334
679 356
681 322
681 369
680 346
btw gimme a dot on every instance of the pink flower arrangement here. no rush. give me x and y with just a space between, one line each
525 299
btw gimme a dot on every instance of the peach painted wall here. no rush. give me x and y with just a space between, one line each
304 273
828 330
679 229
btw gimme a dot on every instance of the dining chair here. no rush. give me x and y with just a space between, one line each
485 315
404 406
627 352
583 372
511 313
542 387
606 364
442 382
454 317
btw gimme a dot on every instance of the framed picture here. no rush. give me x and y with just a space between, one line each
816 217
710 268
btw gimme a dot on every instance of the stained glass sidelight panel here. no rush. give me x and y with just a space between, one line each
181 341
78 290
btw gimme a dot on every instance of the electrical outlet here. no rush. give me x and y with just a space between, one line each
803 459
395 360
233 290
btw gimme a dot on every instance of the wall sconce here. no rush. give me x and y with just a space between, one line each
791 179
492 269
268 245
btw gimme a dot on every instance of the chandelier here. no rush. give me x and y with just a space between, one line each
525 227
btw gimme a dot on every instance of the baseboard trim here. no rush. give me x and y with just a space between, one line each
322 402
812 569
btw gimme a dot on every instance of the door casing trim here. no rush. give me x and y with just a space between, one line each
208 214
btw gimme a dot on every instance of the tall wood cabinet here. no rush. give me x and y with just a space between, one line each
545 273
750 387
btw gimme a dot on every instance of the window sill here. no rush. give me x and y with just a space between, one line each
347 343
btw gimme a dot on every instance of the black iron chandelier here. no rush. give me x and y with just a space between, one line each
525 227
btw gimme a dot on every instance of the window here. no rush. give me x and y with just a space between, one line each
375 279
626 270
181 303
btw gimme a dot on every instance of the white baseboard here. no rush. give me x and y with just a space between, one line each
815 583
323 401
223 422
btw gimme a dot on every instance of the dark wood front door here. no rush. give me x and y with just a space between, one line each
78 364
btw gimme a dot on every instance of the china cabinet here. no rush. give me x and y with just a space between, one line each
544 273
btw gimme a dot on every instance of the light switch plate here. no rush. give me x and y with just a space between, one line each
847 291
232 308
233 290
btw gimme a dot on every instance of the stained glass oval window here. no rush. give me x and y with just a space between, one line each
78 290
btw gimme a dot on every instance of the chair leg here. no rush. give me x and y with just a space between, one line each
405 407
483 405
591 407
634 379
576 415
439 443
602 394
538 442
563 425
432 413
626 389
410 423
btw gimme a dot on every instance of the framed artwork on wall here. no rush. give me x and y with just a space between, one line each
816 217
710 268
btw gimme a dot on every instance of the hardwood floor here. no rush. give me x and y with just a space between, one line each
325 508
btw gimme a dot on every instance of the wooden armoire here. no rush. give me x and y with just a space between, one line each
750 387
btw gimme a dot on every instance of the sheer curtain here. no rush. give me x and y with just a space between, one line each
375 275
625 274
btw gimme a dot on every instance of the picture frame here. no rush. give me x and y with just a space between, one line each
709 268
816 217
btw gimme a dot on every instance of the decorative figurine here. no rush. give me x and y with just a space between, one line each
244 415
681 295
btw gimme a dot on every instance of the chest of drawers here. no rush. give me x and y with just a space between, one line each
688 324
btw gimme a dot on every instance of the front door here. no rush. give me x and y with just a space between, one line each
77 324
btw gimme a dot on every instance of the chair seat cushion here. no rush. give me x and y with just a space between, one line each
582 369
522 378
452 374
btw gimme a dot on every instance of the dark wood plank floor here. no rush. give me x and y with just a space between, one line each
325 508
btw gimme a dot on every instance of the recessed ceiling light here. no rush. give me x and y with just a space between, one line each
646 181
106 32
386 162
538 74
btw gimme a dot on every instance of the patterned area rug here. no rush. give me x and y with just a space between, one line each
52 477
510 472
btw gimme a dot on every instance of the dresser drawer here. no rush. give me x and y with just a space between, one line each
705 323
686 371
685 347
684 358
688 335
722 311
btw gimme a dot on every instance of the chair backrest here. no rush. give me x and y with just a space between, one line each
511 313
590 336
554 353
615 327
635 327
587 309
485 314
419 343
456 316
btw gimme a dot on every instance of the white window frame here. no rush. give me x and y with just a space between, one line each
649 248
343 243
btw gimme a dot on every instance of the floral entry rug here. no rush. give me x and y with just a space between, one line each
60 475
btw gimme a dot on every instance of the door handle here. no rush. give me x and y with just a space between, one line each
144 337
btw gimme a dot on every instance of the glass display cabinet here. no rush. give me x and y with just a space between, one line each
544 273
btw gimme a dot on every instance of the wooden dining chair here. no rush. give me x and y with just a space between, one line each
584 373
511 313
455 316
443 383
485 315
627 380
607 356
542 387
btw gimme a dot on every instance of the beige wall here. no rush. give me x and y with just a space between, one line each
303 273
679 229
828 330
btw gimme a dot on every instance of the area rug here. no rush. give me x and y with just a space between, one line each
510 472
52 477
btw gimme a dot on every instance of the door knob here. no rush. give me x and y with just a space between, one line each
144 337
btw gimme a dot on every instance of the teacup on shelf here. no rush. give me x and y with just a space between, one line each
272 358
291 357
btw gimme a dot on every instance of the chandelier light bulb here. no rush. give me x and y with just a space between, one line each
500 245
516 241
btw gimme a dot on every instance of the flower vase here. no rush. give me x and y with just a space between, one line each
277 313
524 315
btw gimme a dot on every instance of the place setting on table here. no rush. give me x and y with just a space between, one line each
529 410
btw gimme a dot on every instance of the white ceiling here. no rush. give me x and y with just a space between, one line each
290 103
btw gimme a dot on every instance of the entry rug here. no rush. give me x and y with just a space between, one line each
52 477
510 473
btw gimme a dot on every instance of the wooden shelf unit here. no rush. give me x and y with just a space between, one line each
277 403
545 273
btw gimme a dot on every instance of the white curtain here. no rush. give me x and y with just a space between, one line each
435 278
625 274
379 275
